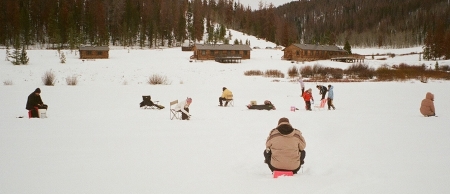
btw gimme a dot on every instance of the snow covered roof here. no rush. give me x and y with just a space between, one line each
222 47
318 47
94 48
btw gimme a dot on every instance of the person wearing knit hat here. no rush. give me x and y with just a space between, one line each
227 95
285 148
34 102
183 107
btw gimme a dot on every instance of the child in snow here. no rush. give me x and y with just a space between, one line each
427 105
285 148
307 96
183 107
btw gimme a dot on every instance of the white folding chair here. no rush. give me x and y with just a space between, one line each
229 100
173 112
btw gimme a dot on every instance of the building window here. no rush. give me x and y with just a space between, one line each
228 53
203 52
99 53
298 53
89 52
245 52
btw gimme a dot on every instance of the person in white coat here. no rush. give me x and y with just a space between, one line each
302 85
183 107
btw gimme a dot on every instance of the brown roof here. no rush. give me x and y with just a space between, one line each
223 47
319 47
94 48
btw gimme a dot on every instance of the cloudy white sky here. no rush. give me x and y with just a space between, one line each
254 3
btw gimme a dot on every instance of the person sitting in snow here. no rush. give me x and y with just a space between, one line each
322 90
307 96
427 105
285 148
34 102
226 95
183 107
147 103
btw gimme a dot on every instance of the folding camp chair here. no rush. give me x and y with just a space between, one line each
229 100
322 104
173 112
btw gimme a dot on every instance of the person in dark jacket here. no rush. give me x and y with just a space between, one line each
322 90
285 148
34 102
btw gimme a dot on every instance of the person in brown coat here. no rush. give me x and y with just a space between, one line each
285 148
427 105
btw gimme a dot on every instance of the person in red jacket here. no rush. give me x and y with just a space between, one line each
307 96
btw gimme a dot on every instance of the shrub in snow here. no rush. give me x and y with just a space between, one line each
293 71
156 79
253 73
49 78
72 80
273 73
7 82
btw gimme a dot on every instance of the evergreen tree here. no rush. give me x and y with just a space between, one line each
347 47
190 23
23 56
15 57
62 57
7 54
236 41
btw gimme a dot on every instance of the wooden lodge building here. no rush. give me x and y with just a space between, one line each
312 52
223 53
94 52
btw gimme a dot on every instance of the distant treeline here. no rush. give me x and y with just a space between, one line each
151 23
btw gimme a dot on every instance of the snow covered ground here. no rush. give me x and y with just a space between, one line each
96 139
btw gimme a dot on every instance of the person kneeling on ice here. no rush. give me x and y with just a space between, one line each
285 148
34 102
427 105
183 107
226 95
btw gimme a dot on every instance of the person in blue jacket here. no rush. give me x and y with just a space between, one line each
330 97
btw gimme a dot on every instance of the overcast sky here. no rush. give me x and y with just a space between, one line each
254 3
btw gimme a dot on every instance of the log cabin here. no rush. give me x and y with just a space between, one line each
94 52
312 52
